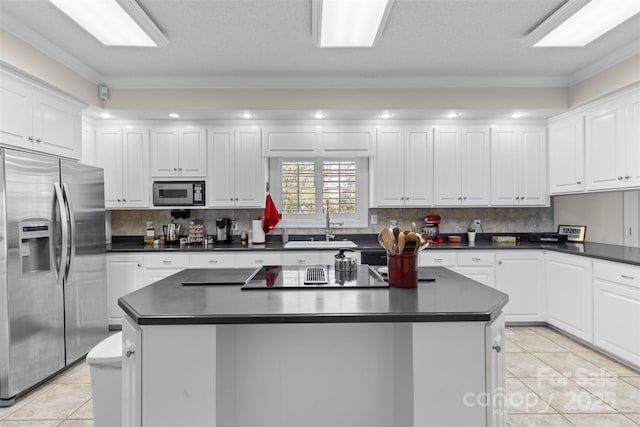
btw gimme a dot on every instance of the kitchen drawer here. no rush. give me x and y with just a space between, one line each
472 259
258 258
617 273
437 259
302 258
212 260
167 260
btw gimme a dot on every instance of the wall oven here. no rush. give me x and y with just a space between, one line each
178 193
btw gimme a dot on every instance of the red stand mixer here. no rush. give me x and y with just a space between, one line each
432 229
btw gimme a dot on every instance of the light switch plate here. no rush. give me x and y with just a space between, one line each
374 219
477 224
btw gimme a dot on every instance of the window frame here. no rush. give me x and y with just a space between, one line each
318 219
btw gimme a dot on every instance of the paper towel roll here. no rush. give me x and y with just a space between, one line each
257 232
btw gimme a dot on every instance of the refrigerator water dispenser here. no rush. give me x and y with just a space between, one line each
35 251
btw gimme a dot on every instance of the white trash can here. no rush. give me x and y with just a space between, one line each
105 366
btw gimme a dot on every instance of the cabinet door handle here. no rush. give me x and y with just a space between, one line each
30 138
259 261
626 277
578 182
301 260
459 198
517 197
236 199
139 265
179 169
475 259
175 169
497 348
38 140
213 261
499 262
465 197
627 176
166 261
619 178
437 259
124 200
130 352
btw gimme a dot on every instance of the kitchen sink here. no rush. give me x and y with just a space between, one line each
320 244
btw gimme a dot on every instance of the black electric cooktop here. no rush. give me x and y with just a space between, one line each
314 277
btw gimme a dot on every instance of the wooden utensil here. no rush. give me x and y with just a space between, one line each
412 243
386 240
396 232
401 242
414 229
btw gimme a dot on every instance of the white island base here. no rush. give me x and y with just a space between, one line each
314 374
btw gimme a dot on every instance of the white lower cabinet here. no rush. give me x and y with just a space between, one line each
257 259
520 274
131 373
159 266
494 359
476 265
212 260
616 309
124 275
569 294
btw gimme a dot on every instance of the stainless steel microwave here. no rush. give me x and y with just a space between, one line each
178 193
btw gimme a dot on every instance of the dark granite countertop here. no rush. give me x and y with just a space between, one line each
615 253
451 298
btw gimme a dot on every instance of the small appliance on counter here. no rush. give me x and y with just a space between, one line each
171 233
548 237
432 229
223 230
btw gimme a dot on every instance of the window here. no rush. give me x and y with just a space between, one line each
308 185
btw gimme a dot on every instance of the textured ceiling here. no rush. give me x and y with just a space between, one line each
268 43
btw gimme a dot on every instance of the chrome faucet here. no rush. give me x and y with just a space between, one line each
327 229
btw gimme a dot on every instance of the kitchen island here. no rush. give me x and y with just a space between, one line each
217 355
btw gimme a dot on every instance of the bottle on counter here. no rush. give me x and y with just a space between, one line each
150 233
244 237
285 237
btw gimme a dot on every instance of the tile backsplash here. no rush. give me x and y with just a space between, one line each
454 220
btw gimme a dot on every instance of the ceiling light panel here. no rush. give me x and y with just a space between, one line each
349 23
108 22
583 26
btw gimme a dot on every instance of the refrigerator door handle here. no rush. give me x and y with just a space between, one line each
64 255
72 229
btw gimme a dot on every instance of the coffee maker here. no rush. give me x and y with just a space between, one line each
223 230
432 229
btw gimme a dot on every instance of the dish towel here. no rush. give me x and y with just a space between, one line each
271 215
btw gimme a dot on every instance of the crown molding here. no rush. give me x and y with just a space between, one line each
605 63
14 26
555 19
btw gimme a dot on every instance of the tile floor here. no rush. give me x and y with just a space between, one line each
551 381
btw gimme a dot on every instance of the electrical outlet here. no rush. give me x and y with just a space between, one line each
234 225
477 224
374 219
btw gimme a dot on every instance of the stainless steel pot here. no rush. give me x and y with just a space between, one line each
171 232
345 263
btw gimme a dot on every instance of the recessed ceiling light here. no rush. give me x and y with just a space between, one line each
385 115
247 115
114 23
174 115
348 23
516 115
319 115
570 26
105 115
452 115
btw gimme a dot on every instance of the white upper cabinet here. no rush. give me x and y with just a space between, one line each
403 167
178 152
566 155
123 153
461 166
518 167
612 145
318 141
235 168
36 118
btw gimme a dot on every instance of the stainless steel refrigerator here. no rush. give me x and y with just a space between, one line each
53 291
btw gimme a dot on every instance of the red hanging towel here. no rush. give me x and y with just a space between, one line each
271 215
